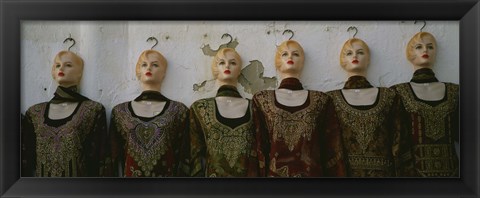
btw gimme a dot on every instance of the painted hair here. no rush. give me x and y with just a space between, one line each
409 51
283 46
349 45
144 55
220 54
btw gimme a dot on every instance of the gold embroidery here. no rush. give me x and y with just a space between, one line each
221 139
435 160
434 116
363 122
58 146
291 127
148 141
369 162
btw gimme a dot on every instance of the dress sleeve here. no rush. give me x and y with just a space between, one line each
28 146
95 145
117 146
334 156
261 144
402 144
197 146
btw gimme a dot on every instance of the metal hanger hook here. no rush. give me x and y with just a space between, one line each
69 39
288 30
353 28
424 24
153 38
227 34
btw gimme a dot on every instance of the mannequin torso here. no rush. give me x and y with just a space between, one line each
231 107
429 91
61 110
291 98
366 96
147 108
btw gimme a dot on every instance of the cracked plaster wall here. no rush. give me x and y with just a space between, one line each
110 50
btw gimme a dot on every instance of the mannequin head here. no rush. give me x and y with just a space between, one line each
151 67
355 57
422 50
289 59
67 69
227 66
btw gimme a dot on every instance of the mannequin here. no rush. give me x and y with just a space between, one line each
64 137
221 127
297 132
433 109
370 117
146 133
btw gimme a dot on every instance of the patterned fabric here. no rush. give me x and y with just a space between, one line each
424 75
376 143
304 143
291 83
218 150
72 149
147 147
357 82
435 129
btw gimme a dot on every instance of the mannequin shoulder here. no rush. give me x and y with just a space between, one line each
263 95
36 107
202 103
178 105
93 105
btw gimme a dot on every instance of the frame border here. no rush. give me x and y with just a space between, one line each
13 12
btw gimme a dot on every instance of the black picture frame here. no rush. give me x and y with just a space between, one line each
13 12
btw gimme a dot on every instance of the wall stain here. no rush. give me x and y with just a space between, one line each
252 79
210 52
196 87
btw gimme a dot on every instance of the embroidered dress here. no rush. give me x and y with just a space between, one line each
435 127
376 143
68 147
219 146
147 147
301 141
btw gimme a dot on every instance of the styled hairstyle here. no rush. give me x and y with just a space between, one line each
415 39
349 45
144 55
284 46
75 59
221 54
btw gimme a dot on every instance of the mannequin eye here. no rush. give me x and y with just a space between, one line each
144 65
233 63
57 66
361 53
430 47
155 65
349 53
221 63
284 54
296 54
418 47
68 65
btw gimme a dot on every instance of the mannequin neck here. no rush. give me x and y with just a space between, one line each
151 87
289 75
230 82
68 84
357 73
416 67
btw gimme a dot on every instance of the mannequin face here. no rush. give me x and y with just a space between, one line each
229 67
152 70
67 69
291 60
424 52
356 58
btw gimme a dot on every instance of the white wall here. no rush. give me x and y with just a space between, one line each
110 50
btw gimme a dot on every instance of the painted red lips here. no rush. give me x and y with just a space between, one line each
148 74
355 61
61 74
425 56
290 62
227 71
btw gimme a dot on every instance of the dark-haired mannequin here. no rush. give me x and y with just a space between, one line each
297 132
433 109
146 133
376 144
64 137
221 127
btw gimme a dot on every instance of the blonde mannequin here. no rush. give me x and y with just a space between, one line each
421 52
146 133
221 127
289 61
354 59
226 69
67 71
150 69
